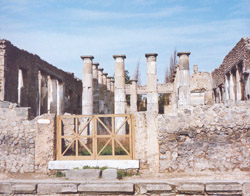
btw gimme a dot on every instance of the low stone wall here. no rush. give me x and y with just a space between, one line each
25 145
205 138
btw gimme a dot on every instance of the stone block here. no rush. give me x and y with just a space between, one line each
154 187
107 188
109 174
88 174
223 187
24 188
246 189
5 188
56 188
190 188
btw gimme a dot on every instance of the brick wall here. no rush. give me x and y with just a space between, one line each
241 51
14 59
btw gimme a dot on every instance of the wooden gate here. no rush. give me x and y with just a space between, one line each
94 137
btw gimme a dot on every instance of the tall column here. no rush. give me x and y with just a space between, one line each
184 80
100 87
87 85
226 88
105 93
231 86
20 85
112 88
109 104
152 95
39 93
50 97
95 88
120 93
133 96
238 84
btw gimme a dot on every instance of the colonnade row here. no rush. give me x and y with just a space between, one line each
235 87
100 90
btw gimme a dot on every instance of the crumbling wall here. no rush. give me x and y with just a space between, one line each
205 138
241 51
15 59
25 145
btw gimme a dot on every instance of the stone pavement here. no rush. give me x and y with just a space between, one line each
124 187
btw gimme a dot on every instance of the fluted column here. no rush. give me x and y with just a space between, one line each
238 84
231 87
184 80
100 87
87 84
105 93
152 95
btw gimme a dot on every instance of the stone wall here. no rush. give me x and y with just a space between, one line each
215 139
241 51
25 145
12 59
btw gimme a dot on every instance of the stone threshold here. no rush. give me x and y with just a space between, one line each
116 164
48 187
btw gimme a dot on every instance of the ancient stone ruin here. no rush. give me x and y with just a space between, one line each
204 129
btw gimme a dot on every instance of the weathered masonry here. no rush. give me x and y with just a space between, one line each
232 79
32 82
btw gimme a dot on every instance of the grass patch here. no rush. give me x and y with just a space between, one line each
88 167
59 174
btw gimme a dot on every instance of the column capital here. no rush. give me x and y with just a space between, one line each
151 54
134 80
183 53
87 57
95 64
101 69
123 56
105 74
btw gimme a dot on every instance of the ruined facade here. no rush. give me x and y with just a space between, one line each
231 81
28 80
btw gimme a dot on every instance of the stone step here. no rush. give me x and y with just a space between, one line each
83 174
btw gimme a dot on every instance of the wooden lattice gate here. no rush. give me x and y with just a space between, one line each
93 137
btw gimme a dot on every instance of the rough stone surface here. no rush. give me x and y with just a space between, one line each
24 188
87 174
205 138
56 188
110 187
25 145
109 174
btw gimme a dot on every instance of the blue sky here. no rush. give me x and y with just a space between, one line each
60 31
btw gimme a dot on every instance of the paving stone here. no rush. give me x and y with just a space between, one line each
190 188
107 187
23 188
246 189
223 187
109 174
5 188
88 174
154 187
56 188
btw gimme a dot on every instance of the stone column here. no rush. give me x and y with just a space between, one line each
105 93
20 85
231 87
120 92
50 97
226 97
238 84
109 94
95 88
133 96
184 80
100 87
39 93
87 85
112 88
152 94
